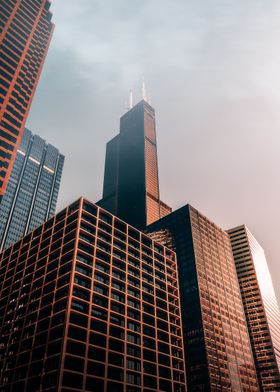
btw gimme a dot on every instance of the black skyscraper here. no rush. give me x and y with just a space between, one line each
131 183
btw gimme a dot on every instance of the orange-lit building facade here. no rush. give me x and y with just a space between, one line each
25 33
217 346
260 305
131 180
88 303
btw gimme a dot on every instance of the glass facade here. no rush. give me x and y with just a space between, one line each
217 346
88 303
131 182
260 305
31 195
25 33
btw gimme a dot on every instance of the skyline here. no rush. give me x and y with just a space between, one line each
255 286
241 97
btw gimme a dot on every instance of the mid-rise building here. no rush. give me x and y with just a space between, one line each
89 303
217 345
25 33
131 181
32 191
260 305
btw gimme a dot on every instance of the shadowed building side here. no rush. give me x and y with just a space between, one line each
217 346
111 175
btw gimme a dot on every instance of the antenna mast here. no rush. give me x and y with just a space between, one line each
130 101
144 95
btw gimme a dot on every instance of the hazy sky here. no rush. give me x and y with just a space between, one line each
213 71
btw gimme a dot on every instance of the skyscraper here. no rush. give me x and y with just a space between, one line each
31 194
131 182
88 303
25 33
260 305
217 345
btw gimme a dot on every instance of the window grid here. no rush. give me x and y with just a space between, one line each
85 283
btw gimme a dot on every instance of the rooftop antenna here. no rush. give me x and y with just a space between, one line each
144 95
130 101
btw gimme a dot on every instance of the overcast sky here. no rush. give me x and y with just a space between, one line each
212 68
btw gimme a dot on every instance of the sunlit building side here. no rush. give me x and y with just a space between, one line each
260 305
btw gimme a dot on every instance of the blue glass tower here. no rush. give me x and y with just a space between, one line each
32 190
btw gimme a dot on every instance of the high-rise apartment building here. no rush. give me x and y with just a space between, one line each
88 303
31 195
260 305
131 181
217 345
25 33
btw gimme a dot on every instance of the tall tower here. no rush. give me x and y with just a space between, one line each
88 303
131 181
260 305
217 346
31 195
25 33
